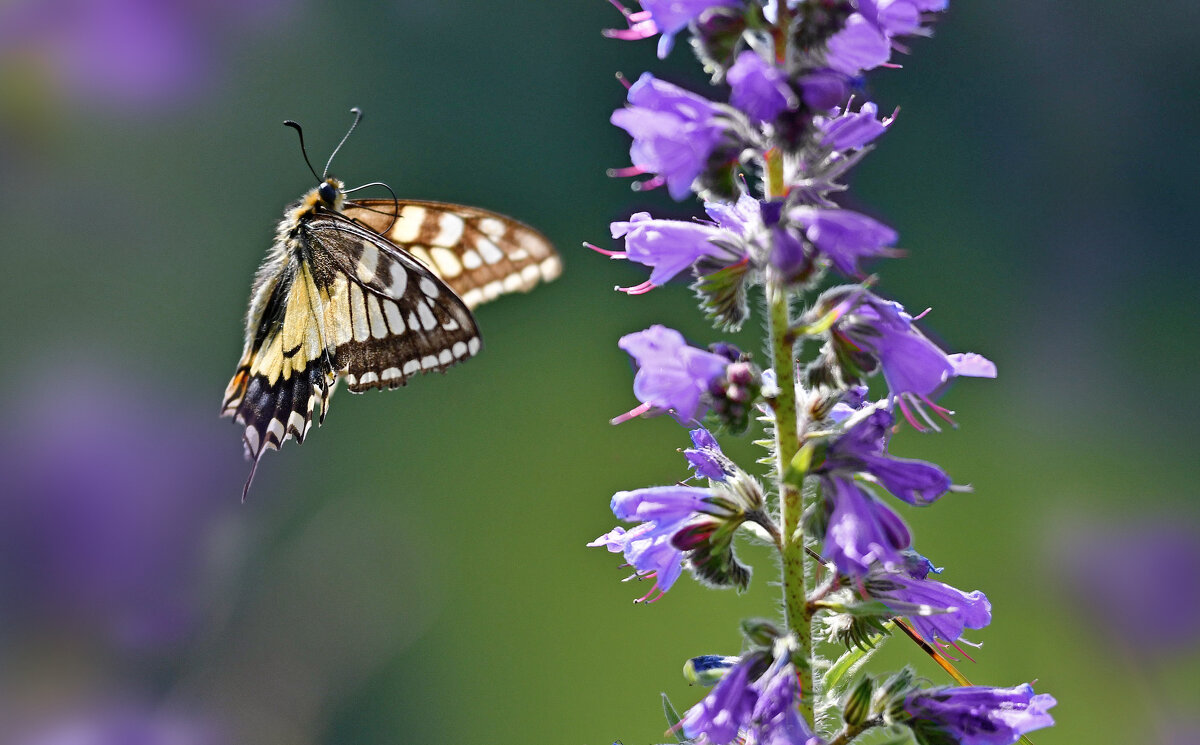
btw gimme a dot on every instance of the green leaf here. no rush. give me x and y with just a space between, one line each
673 719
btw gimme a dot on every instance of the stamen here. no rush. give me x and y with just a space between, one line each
605 251
641 289
626 172
631 414
648 184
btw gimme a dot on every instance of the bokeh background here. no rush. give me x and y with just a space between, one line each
417 572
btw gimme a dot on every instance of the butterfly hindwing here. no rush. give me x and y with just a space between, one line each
387 317
479 254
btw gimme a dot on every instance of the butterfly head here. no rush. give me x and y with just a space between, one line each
331 194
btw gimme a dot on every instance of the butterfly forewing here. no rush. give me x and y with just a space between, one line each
479 254
387 317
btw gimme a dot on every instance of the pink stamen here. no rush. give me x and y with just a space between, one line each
908 416
641 289
922 314
647 597
626 172
648 184
624 80
605 251
631 414
961 651
941 411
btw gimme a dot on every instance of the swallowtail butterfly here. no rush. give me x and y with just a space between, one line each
375 290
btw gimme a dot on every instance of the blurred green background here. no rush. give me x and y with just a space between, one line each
417 572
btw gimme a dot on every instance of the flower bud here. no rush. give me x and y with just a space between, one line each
707 670
760 632
858 703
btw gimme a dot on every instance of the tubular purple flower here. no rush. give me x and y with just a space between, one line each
759 89
706 457
845 237
674 132
852 130
861 529
663 504
667 246
915 369
898 17
672 376
668 17
647 548
859 46
977 715
936 610
776 720
863 449
728 707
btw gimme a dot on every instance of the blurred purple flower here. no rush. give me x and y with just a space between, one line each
122 726
1138 580
858 46
667 246
823 90
110 511
759 89
727 708
977 715
123 52
674 132
706 457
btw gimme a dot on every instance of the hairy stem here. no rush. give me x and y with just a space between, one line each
787 443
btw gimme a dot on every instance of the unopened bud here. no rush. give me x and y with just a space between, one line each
858 703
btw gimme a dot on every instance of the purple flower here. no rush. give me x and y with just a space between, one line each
667 246
935 609
852 130
758 88
861 529
776 720
727 708
898 17
664 510
672 377
706 457
916 370
858 46
823 90
666 16
863 449
977 715
674 132
844 236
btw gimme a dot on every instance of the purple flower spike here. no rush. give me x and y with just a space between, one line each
759 89
853 130
861 530
859 46
668 17
674 132
844 236
672 376
726 709
667 246
978 715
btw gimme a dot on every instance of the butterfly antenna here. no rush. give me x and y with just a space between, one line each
303 151
357 118
395 201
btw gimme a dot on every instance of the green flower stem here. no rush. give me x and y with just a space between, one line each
787 444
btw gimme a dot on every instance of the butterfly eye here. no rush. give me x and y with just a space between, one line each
327 192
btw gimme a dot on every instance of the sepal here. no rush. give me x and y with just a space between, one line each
722 294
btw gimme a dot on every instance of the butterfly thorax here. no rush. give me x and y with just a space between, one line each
329 195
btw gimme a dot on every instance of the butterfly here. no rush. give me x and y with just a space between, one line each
373 290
